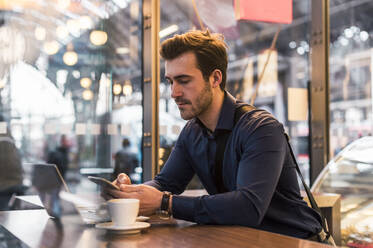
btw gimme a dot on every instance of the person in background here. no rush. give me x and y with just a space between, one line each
125 160
258 186
11 172
60 156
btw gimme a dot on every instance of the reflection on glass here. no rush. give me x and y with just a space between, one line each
350 174
350 73
58 62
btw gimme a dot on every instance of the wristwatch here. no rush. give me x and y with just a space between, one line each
164 212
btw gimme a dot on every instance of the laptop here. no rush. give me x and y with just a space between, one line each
52 188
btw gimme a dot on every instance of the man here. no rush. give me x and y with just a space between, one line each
260 187
11 171
60 156
125 160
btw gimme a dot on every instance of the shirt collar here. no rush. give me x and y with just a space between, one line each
226 117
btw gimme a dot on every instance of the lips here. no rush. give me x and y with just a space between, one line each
181 104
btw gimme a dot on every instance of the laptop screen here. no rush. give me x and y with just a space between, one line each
48 182
51 188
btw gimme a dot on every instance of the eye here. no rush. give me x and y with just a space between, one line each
184 81
169 81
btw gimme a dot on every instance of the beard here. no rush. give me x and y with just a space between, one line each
202 102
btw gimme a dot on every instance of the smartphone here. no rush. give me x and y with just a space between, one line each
103 182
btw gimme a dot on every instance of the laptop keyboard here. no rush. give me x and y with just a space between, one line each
93 215
8 240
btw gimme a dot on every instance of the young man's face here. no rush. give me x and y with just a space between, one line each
192 94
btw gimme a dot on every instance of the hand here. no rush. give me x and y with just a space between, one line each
150 198
121 179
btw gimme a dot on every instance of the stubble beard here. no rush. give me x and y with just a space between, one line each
202 103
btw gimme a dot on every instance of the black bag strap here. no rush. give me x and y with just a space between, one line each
221 141
312 200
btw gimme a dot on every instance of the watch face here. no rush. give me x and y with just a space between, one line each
165 215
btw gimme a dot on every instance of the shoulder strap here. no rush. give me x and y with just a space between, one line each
221 142
312 200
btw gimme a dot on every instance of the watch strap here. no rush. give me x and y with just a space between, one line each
165 201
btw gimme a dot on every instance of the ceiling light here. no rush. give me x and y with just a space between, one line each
127 89
85 82
62 32
76 74
300 50
98 37
40 33
364 35
348 33
87 95
169 30
292 44
122 50
73 26
51 47
70 57
117 89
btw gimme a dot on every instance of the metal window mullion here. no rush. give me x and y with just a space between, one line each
151 71
319 88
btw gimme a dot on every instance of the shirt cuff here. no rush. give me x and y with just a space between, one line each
183 207
154 184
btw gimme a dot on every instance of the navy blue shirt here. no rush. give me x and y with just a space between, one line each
258 172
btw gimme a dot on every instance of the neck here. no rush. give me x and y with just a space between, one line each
210 117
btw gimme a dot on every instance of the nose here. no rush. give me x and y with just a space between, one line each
176 90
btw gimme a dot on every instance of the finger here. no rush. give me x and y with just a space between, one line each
123 179
120 194
129 188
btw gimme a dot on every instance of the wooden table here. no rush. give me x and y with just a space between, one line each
36 229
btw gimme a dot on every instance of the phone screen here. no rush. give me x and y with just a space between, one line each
103 182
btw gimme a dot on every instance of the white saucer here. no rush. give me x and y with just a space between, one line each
129 229
142 218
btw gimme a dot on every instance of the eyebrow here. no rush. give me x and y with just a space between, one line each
182 76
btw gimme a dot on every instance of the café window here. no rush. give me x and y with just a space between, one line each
70 75
287 71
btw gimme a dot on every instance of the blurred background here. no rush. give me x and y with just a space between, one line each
72 72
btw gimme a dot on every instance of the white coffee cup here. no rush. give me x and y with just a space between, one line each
123 212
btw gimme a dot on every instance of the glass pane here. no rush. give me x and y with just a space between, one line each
350 174
70 89
351 117
249 42
350 72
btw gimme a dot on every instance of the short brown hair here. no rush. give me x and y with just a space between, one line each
210 51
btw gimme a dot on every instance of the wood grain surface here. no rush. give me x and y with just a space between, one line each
36 229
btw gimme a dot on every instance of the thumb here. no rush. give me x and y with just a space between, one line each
124 179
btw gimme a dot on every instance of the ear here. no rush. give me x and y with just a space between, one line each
216 78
